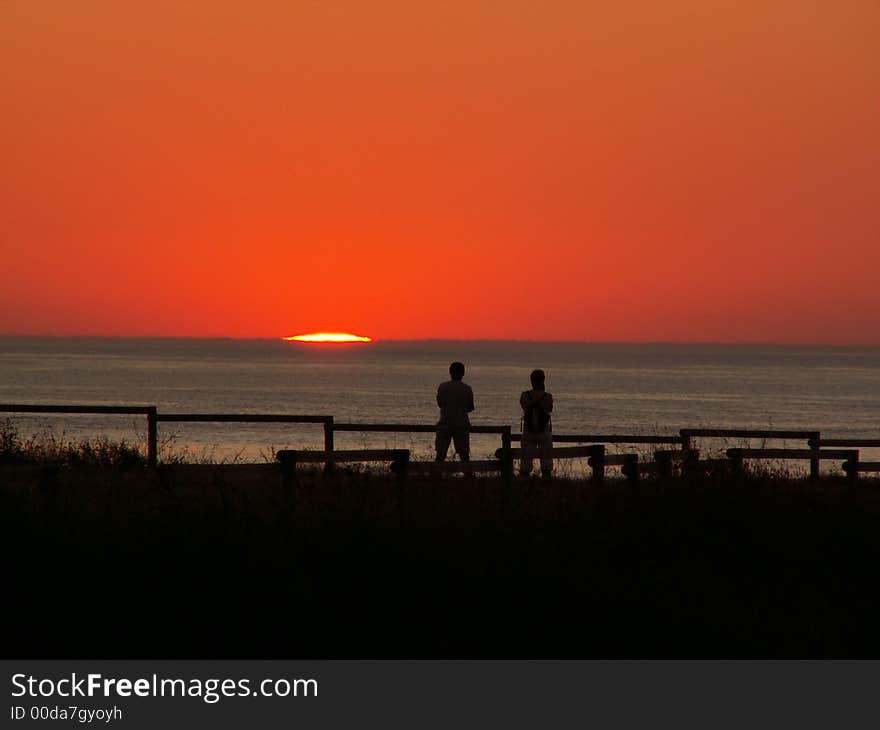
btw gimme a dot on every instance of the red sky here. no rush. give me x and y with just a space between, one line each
686 170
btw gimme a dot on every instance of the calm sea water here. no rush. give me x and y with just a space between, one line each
597 387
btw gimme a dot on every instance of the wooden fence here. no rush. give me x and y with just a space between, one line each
326 421
148 411
591 446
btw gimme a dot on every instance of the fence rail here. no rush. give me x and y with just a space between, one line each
241 418
326 421
793 454
411 428
39 408
846 443
568 438
747 433
148 411
853 468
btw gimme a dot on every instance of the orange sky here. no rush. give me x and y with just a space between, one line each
687 170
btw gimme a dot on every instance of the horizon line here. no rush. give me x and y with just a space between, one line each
379 341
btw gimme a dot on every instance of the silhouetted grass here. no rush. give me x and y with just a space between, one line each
229 560
47 448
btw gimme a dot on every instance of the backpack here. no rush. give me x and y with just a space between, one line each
535 419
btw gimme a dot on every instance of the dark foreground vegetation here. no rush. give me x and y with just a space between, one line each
112 559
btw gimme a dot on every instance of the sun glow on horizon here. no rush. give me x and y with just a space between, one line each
333 337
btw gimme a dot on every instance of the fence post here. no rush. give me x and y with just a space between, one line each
686 443
690 456
851 467
400 466
814 443
736 462
663 460
506 468
328 443
631 469
597 461
690 463
152 437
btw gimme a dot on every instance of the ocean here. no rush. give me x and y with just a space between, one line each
597 388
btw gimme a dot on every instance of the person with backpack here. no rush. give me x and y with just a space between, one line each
537 436
455 400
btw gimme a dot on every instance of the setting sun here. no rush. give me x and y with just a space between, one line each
334 337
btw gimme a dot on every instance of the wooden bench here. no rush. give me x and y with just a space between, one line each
504 466
852 468
290 458
599 460
688 434
737 456
661 466
595 451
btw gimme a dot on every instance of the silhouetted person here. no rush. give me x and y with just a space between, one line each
537 436
455 400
